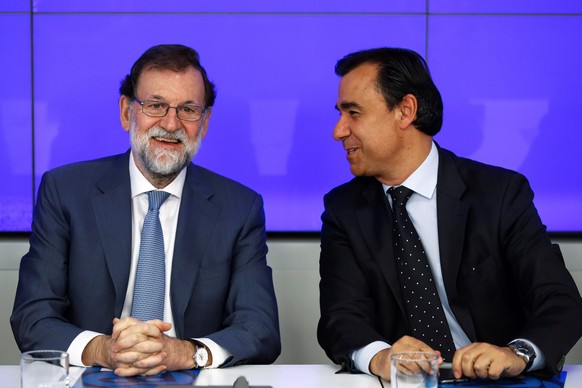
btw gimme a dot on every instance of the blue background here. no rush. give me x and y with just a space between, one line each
509 73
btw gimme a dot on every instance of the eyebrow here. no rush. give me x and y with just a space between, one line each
162 99
346 105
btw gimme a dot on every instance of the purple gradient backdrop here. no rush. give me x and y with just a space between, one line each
509 81
16 188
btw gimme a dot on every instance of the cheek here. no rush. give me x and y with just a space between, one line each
143 124
193 131
139 131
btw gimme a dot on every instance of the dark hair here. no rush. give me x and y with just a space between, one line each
174 57
401 72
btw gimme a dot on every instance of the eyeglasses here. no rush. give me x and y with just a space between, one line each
188 112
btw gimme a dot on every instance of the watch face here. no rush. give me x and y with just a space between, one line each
201 357
525 351
523 348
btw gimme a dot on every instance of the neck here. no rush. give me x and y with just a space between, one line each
159 181
411 156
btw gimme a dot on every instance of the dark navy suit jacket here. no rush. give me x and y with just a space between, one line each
503 277
75 275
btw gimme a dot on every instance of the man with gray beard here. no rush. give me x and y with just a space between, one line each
78 286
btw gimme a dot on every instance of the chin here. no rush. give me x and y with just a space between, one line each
168 165
356 171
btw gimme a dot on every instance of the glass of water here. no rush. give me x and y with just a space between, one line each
44 369
414 370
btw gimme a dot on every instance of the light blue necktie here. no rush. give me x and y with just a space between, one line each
150 279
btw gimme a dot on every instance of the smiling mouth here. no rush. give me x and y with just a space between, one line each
351 150
166 140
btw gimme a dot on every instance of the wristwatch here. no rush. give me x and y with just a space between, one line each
524 351
200 355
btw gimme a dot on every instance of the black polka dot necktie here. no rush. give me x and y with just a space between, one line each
423 306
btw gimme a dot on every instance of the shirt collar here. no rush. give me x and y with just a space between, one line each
140 185
423 180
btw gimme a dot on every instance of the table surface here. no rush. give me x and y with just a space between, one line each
282 376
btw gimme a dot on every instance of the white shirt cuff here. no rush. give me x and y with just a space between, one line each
362 356
219 354
76 347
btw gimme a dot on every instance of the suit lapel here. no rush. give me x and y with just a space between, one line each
196 223
375 220
452 218
112 212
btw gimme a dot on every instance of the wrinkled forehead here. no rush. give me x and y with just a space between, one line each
170 85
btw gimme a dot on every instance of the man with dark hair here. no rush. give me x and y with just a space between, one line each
427 251
144 262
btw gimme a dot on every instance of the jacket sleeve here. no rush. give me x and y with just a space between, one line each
251 323
348 297
549 296
39 315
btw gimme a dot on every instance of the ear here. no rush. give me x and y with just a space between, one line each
124 115
408 108
205 120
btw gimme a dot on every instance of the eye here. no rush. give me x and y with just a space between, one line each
156 105
188 109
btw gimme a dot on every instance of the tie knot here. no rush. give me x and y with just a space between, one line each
156 198
400 195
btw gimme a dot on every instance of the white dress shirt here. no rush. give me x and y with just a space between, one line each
422 210
169 220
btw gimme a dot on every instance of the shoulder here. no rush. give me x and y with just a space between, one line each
73 186
472 180
354 191
474 171
82 171
220 185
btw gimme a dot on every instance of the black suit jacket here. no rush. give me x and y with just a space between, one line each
75 275
503 277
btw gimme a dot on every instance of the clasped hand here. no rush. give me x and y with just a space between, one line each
140 348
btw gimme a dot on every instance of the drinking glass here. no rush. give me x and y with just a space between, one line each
44 369
414 370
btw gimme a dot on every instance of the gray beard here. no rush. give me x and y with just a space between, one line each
160 162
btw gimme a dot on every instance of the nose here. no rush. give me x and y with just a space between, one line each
341 129
170 121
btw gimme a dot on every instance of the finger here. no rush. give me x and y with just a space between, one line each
152 364
150 346
458 360
411 344
138 343
481 368
134 371
128 341
467 367
496 369
161 325
412 368
416 363
463 365
121 325
140 329
152 361
155 371
127 358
